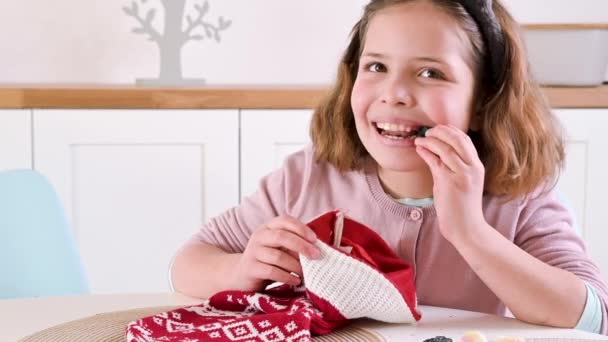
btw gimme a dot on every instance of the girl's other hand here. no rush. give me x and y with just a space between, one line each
458 180
272 254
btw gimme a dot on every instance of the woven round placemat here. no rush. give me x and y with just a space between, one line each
110 327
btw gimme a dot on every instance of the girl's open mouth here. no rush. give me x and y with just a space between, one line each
399 132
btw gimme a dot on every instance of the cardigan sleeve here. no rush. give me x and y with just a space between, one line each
545 230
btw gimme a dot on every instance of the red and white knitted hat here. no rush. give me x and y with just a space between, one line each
358 274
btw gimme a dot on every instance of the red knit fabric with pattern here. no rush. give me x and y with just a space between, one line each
358 275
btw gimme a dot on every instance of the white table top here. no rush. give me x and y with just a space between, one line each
21 317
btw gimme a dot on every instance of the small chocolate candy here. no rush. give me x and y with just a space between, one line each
438 339
422 131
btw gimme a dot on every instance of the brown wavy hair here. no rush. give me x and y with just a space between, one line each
519 140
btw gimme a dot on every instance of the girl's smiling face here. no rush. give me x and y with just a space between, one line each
415 70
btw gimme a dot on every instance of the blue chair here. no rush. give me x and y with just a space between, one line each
38 253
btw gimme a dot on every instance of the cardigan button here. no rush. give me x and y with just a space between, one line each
416 214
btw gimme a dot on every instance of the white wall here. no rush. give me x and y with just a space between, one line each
559 11
270 41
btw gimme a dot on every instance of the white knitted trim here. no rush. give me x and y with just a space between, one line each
354 288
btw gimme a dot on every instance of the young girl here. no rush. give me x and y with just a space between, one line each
470 206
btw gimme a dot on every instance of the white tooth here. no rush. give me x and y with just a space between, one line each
401 128
382 125
393 127
408 129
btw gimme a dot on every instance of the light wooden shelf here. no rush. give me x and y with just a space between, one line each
250 97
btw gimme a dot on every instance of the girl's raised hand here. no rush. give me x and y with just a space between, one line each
458 178
272 254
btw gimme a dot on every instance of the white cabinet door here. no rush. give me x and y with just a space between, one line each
584 179
136 184
15 139
267 137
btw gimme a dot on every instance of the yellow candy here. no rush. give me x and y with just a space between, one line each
473 336
510 339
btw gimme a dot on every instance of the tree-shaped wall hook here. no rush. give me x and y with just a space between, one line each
176 34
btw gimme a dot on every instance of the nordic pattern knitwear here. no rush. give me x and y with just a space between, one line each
368 281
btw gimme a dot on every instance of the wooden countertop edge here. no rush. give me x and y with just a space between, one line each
11 98
226 98
169 98
592 97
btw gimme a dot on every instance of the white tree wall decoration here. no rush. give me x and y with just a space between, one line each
176 34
